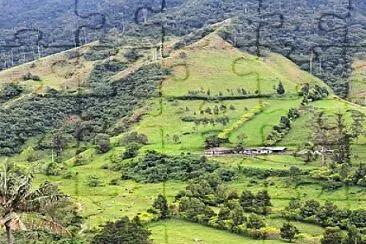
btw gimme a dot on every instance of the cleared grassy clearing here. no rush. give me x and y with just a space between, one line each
183 232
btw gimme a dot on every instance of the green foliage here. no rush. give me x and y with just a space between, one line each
30 76
102 143
326 215
94 181
10 90
289 231
208 188
59 142
53 168
131 151
41 114
255 222
279 131
194 209
280 89
99 53
259 203
134 137
132 55
30 155
332 235
265 172
123 231
214 141
353 235
157 167
160 207
311 94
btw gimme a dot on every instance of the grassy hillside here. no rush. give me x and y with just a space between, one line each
208 88
215 65
212 68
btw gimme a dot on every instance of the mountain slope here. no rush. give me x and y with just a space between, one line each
212 87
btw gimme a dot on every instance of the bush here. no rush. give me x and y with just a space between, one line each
114 182
131 151
52 169
255 222
93 181
102 143
10 90
123 231
30 155
134 137
30 76
264 233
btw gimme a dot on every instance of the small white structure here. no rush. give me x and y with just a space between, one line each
246 151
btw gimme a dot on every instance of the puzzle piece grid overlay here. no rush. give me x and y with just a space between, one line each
261 22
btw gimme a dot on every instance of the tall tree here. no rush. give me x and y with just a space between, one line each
59 142
17 197
341 141
280 89
160 207
321 133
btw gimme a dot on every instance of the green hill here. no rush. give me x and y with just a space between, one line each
214 75
207 88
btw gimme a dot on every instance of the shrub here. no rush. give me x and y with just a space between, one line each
52 169
93 181
30 155
123 231
255 222
131 151
30 76
10 90
102 143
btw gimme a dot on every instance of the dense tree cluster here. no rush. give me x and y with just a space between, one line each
157 167
327 214
311 94
123 231
96 112
196 204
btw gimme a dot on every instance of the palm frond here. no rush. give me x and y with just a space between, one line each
40 222
46 194
21 191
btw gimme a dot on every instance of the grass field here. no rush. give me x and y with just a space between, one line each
219 66
183 232
109 202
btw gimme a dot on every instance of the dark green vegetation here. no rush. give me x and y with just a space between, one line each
123 132
101 109
316 46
